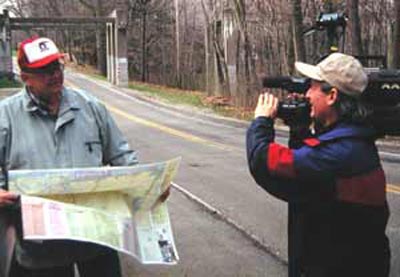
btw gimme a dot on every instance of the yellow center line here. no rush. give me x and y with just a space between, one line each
163 128
389 187
168 130
393 189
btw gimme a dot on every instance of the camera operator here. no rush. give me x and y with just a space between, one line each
333 180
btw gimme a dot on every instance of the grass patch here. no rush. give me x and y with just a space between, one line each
98 76
235 112
171 95
7 83
191 98
88 70
177 96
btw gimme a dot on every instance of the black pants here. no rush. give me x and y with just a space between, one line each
101 266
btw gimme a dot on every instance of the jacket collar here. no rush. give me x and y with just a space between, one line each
343 130
68 102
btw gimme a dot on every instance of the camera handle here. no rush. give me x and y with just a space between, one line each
335 26
334 36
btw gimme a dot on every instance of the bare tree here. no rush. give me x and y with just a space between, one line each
150 48
355 28
240 12
178 44
143 10
298 31
213 17
98 8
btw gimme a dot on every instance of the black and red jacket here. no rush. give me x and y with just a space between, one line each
336 190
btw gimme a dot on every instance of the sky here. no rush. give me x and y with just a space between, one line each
2 5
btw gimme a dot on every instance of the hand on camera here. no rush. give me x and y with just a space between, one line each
267 106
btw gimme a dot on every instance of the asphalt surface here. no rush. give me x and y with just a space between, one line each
208 246
224 225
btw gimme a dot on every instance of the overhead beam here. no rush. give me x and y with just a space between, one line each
18 23
70 20
117 61
51 25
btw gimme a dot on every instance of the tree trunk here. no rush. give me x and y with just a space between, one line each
292 51
221 69
355 29
144 46
178 47
240 9
300 52
207 57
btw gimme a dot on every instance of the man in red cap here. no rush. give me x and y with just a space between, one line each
47 125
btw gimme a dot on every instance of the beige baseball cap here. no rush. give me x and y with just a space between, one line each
339 70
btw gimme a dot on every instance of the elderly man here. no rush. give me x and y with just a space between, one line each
332 180
47 125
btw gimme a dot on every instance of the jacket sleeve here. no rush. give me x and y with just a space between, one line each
287 173
116 150
259 141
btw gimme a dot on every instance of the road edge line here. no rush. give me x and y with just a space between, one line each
219 215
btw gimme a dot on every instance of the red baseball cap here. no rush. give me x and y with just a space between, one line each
37 52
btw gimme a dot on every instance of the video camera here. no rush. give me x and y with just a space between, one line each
334 23
291 109
382 95
327 20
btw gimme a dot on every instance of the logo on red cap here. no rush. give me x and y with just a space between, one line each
43 46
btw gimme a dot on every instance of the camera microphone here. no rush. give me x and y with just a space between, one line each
289 83
275 82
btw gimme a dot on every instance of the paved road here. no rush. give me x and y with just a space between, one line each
214 169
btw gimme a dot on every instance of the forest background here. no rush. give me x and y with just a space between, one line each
203 44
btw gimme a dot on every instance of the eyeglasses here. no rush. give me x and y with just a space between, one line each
49 69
